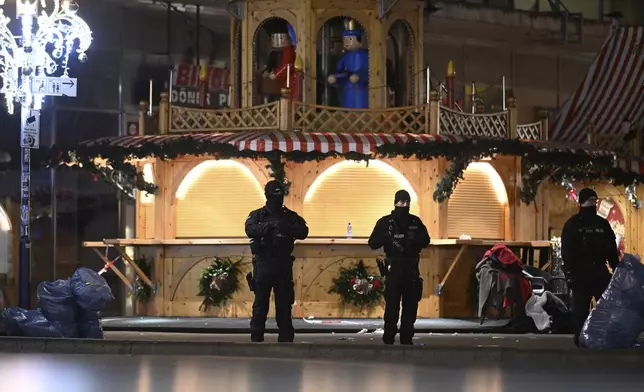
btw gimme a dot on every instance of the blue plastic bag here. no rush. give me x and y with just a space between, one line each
618 319
57 303
90 290
30 323
9 326
89 325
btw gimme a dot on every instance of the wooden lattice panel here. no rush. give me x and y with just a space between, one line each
261 117
530 131
318 118
457 123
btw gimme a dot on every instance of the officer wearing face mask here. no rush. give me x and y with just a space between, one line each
273 230
587 245
402 236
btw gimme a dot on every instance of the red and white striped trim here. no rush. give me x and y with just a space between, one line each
611 93
630 165
342 143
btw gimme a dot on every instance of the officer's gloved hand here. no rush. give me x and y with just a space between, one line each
283 228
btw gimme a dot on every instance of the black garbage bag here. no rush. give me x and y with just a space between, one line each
57 303
30 323
90 290
618 318
89 325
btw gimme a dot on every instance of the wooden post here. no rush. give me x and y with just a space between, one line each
434 113
545 130
285 106
513 118
164 114
637 145
142 117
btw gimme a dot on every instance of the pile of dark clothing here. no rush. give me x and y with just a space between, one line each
66 309
502 285
618 318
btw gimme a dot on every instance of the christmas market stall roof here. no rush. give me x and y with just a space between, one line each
292 144
610 99
113 158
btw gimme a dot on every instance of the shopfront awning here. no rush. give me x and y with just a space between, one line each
611 94
630 165
341 143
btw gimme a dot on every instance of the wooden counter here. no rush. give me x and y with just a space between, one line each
447 267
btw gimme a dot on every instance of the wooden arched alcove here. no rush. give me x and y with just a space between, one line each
402 55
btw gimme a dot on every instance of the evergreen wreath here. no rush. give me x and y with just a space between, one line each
218 282
142 292
357 286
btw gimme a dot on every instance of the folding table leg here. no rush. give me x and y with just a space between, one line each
138 271
118 273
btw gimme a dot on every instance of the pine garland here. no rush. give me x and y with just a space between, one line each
142 292
357 286
539 163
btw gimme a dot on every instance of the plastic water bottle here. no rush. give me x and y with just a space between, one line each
349 230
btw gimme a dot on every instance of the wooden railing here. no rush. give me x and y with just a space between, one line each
319 118
286 115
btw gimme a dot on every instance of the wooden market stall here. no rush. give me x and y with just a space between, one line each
203 198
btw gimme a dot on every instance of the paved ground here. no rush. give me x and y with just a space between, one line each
83 373
532 342
308 325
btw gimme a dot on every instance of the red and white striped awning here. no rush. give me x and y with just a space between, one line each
630 165
342 143
611 96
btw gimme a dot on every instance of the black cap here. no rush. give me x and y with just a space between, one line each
402 195
586 194
273 188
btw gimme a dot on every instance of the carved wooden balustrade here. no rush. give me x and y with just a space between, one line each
286 115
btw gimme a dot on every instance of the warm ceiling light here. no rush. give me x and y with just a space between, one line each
5 222
148 176
494 177
402 181
194 174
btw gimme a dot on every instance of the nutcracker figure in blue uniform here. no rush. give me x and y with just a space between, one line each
352 71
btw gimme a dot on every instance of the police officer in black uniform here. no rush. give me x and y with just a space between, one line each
273 229
587 245
402 236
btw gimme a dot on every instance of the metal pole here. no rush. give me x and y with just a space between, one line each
54 199
428 83
503 96
24 251
198 37
150 98
473 97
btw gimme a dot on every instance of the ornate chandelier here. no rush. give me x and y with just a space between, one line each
43 49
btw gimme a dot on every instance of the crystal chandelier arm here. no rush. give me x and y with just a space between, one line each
63 31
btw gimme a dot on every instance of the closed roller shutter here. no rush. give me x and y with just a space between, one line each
218 201
474 208
351 192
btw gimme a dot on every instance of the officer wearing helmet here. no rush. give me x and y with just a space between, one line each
402 236
587 245
273 230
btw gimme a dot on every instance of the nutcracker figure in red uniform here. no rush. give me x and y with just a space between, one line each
282 56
